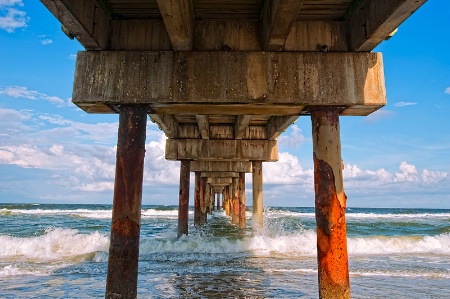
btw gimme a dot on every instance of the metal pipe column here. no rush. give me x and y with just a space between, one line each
330 201
121 281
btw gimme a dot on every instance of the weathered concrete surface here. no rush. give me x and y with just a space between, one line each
219 174
330 203
219 181
229 166
183 202
105 79
257 183
242 201
121 281
227 150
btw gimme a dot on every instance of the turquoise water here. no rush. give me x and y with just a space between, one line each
61 251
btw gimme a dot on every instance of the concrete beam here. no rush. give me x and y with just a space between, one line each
220 149
219 174
368 25
242 122
166 123
255 78
203 125
219 181
178 16
278 18
230 166
278 124
84 20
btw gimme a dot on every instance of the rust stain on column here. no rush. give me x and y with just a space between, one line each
121 281
218 201
203 200
183 202
257 183
242 201
235 202
197 199
330 205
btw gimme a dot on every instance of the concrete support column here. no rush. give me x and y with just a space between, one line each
210 197
257 182
197 199
242 200
218 201
235 202
224 192
202 219
227 200
121 281
183 202
330 203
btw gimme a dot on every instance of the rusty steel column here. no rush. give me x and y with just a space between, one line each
218 201
235 202
197 199
227 200
330 205
224 196
257 182
121 281
183 202
203 201
242 201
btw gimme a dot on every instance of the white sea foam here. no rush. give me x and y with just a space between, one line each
55 244
161 213
298 244
439 244
83 213
11 270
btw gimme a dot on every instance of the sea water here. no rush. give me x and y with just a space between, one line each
61 251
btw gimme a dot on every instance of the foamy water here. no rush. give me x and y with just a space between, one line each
47 243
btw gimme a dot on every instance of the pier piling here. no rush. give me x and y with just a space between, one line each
121 281
330 202
183 202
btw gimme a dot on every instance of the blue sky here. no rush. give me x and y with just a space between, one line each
52 152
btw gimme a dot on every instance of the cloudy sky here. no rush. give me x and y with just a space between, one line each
52 152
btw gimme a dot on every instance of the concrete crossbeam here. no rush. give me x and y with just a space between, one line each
220 149
219 181
219 174
230 166
267 78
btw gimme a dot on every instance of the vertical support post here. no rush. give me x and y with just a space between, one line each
123 257
235 202
242 200
257 182
197 199
203 200
330 201
183 202
227 200
218 200
208 202
224 196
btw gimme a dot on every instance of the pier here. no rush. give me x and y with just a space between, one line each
223 80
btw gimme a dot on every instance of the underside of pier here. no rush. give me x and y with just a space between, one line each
223 79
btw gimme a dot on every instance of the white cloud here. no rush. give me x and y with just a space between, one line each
294 140
23 92
72 56
287 170
447 90
403 104
46 41
12 18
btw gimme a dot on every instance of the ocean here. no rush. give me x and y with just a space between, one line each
61 251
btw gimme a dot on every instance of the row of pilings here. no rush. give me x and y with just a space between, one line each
330 202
